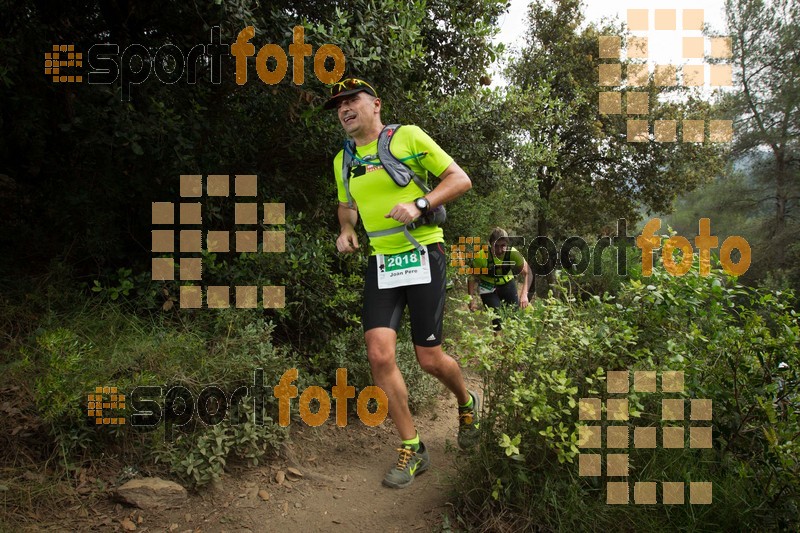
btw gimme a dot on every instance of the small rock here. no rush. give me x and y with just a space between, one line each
127 525
33 476
336 521
297 505
173 527
264 495
152 493
187 517
139 519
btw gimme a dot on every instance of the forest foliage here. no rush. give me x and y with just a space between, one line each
81 164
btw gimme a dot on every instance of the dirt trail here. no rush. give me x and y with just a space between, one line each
340 489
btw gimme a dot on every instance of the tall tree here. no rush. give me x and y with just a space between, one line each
592 175
766 58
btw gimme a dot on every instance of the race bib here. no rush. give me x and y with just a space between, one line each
406 268
484 287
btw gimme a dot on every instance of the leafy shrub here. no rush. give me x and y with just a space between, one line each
200 457
727 340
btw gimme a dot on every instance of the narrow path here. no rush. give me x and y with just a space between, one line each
340 488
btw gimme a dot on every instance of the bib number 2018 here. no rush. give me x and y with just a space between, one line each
406 268
398 261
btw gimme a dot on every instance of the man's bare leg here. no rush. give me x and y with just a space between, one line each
435 362
381 348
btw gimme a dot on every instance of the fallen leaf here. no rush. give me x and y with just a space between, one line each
264 495
280 477
294 472
127 525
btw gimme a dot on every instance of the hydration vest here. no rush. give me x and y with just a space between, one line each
400 173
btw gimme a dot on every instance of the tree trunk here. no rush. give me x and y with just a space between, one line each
542 283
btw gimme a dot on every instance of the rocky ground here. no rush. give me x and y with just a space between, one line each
326 479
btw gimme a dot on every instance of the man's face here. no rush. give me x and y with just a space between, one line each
356 112
500 247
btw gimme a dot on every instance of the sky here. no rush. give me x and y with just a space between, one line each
664 46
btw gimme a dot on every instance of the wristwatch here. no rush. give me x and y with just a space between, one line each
422 204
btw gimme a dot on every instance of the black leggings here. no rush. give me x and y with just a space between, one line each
502 294
384 307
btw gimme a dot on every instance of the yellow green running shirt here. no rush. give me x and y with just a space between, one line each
375 193
481 261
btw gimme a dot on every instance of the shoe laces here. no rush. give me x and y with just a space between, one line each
405 456
465 418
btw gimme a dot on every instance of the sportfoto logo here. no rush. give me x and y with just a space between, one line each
176 406
171 65
544 256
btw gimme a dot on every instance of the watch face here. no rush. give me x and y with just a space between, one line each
422 203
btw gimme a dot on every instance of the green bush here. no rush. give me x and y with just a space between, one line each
727 340
125 351
199 458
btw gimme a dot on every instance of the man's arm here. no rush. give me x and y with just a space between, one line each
472 288
348 217
454 182
527 276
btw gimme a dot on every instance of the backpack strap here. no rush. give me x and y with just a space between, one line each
398 229
504 267
399 171
347 163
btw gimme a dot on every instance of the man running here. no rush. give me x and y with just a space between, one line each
407 265
496 287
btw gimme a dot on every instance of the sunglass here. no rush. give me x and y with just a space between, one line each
351 83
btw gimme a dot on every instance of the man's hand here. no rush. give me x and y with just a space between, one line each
348 241
523 300
404 213
473 304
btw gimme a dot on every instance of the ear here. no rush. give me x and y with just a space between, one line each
377 102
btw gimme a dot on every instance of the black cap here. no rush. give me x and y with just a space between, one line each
346 87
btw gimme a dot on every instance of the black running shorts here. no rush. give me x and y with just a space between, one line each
384 307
